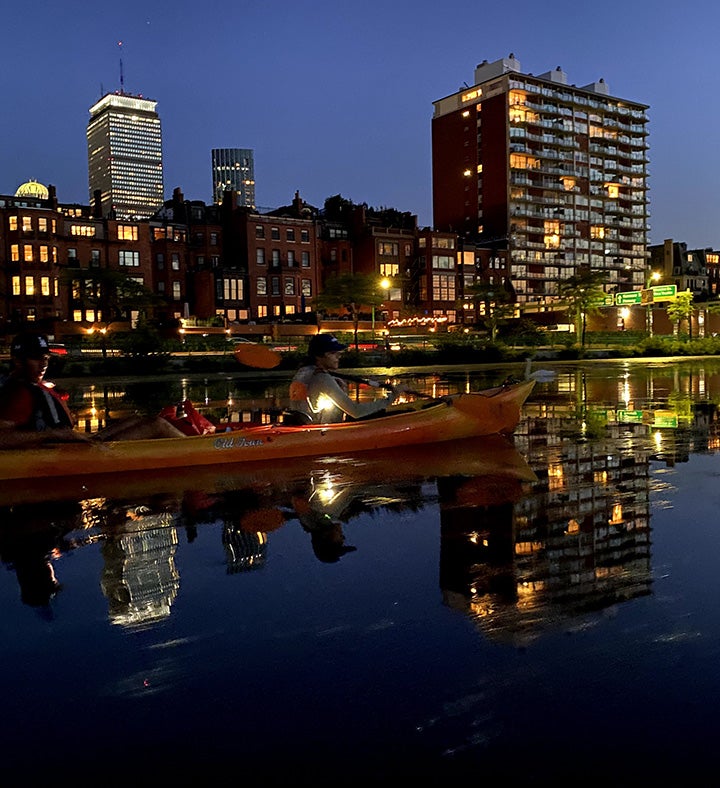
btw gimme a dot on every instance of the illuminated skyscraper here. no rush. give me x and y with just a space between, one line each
233 170
125 155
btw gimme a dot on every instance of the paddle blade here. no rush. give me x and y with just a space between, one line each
254 355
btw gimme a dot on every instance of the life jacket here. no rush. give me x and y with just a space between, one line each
48 412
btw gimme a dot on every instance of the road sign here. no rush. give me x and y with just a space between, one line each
659 293
664 292
607 300
632 297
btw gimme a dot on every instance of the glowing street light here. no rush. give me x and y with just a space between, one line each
385 285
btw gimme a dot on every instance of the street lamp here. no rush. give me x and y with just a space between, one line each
653 278
384 285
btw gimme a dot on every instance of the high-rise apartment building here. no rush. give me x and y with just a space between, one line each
552 173
233 170
125 156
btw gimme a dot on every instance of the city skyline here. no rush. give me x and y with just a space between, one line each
338 99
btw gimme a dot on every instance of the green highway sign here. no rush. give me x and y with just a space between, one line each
659 293
622 299
664 292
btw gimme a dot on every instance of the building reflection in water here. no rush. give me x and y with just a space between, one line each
579 542
139 577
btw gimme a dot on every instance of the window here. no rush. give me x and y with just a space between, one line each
44 254
27 253
260 256
161 288
129 259
54 254
290 234
333 255
160 261
42 225
304 236
27 224
16 285
275 233
276 257
87 230
444 287
443 261
261 286
233 289
385 247
45 285
306 259
15 253
275 285
12 223
389 269
29 285
259 231
176 292
289 286
213 239
175 261
306 287
72 255
291 258
127 232
94 258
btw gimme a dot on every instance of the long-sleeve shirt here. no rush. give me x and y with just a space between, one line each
323 398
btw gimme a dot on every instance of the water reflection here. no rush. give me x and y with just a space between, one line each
535 532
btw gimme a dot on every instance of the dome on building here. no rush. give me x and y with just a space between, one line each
32 189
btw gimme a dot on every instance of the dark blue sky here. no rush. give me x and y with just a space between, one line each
336 97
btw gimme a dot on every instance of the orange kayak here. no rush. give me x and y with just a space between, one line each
490 412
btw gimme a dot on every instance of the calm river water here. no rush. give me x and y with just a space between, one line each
543 610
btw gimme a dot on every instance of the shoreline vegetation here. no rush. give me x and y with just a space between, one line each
209 357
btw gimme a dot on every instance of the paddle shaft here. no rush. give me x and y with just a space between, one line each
263 357
376 384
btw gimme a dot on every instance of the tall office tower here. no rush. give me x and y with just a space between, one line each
125 155
553 173
233 169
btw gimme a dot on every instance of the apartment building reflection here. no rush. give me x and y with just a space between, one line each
579 542
139 576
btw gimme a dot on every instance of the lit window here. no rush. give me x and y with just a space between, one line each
127 232
16 285
29 285
45 285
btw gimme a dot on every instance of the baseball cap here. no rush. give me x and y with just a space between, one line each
324 343
30 346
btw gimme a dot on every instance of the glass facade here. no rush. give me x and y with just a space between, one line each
233 169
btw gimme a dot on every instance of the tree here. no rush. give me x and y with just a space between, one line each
583 295
498 302
681 308
351 292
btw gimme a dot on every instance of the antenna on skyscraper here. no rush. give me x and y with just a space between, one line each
122 80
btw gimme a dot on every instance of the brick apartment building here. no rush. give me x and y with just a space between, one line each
552 174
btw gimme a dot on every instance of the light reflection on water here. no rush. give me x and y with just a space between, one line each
475 609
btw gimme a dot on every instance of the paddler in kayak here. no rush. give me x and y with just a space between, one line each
318 397
33 413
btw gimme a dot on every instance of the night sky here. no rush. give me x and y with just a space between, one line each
336 97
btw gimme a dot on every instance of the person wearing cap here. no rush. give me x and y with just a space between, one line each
29 405
32 413
319 397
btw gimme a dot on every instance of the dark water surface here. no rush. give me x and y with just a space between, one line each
546 611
